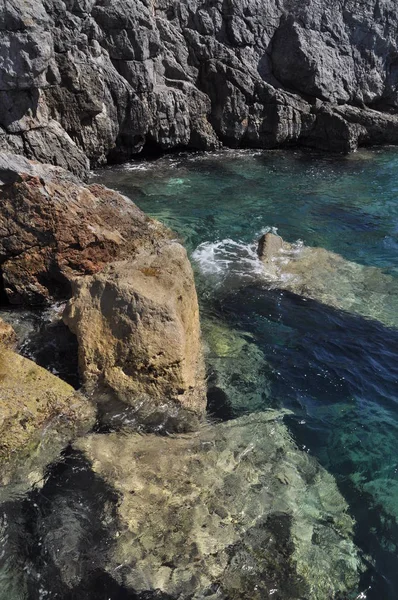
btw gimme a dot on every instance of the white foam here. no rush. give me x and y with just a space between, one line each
142 166
230 262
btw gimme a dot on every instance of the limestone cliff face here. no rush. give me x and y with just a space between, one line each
95 80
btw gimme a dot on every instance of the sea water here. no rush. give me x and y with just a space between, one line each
336 371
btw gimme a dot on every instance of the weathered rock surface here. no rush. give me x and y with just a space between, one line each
8 336
234 511
53 228
101 80
328 277
135 310
39 415
137 324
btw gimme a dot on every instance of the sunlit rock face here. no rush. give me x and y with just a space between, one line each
85 81
329 278
137 325
8 336
133 303
235 511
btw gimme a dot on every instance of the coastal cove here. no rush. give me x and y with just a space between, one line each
198 300
287 488
336 371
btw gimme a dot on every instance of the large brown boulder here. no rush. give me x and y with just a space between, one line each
53 228
137 324
134 308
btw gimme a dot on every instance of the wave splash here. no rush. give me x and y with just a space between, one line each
229 262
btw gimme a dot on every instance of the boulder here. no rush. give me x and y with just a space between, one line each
232 511
134 308
137 324
53 228
39 415
269 245
327 277
269 248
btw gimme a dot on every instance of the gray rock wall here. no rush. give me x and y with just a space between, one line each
90 81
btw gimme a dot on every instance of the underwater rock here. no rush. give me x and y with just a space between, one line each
238 378
235 510
137 325
39 415
329 278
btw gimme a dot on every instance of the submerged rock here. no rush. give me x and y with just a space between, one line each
234 510
329 278
39 415
238 379
137 324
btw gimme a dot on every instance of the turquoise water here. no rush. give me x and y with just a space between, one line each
336 371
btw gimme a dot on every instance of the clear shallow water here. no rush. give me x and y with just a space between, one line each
337 372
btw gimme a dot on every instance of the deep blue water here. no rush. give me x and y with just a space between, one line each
336 371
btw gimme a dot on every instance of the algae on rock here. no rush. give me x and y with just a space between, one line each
39 415
235 510
329 278
238 380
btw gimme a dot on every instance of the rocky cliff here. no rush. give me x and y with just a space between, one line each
90 81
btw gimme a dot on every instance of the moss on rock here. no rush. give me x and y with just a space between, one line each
39 414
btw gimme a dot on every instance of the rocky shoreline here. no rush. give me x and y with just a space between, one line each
132 298
87 82
220 505
210 497
327 277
